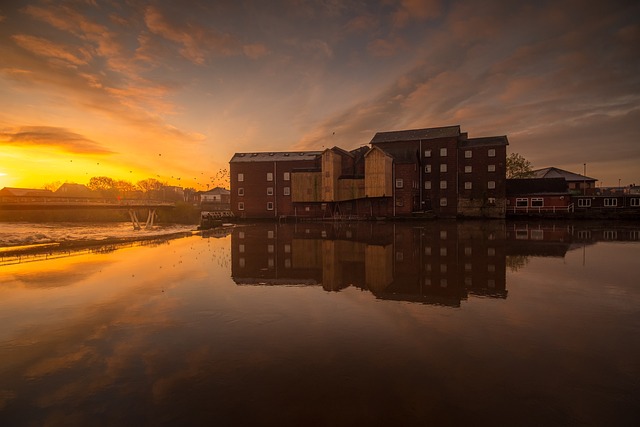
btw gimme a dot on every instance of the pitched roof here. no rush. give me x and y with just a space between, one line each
485 141
217 190
553 172
15 191
280 156
525 186
417 134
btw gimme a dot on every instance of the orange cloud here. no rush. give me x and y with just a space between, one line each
49 49
51 136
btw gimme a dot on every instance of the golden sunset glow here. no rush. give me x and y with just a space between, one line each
160 90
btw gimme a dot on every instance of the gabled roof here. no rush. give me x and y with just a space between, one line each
217 190
536 186
484 142
417 134
273 156
553 172
14 191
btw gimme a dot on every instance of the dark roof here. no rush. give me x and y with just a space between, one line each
273 156
484 142
217 190
417 134
14 191
402 154
560 173
527 186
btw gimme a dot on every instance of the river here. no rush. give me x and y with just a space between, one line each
336 324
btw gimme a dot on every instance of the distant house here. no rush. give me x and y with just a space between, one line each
25 192
75 190
575 182
215 200
537 195
216 195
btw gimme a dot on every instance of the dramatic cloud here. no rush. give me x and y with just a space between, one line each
51 136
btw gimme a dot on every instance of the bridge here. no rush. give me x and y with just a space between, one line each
49 203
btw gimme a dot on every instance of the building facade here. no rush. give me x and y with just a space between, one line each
440 171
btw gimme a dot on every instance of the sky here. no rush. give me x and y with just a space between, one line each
170 90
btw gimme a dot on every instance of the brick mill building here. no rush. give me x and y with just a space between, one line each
402 174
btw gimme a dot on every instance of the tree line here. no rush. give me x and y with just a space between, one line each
149 188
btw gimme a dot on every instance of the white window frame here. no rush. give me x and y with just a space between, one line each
634 201
269 176
286 176
491 185
468 185
427 153
286 191
584 203
427 169
443 167
399 183
468 154
443 185
468 169
427 185
269 206
537 202
443 152
610 202
269 191
491 168
240 177
240 206
519 202
491 152
241 191
443 201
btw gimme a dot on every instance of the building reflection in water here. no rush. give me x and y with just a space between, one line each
439 262
435 263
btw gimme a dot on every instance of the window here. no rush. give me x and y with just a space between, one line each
491 168
270 234
468 266
584 203
427 169
468 169
443 185
270 249
287 176
240 191
287 191
491 201
443 167
491 251
399 183
241 234
443 201
537 202
427 153
467 185
427 185
611 202
492 152
537 234
467 154
240 206
443 152
491 185
522 203
269 176
443 251
240 177
241 248
635 202
269 191
468 250
269 206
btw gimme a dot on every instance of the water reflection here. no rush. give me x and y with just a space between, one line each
435 263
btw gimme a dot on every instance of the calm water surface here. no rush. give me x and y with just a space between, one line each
330 324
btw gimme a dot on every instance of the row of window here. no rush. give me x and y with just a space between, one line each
286 176
285 191
491 152
468 185
608 202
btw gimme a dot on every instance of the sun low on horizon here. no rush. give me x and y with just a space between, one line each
154 89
